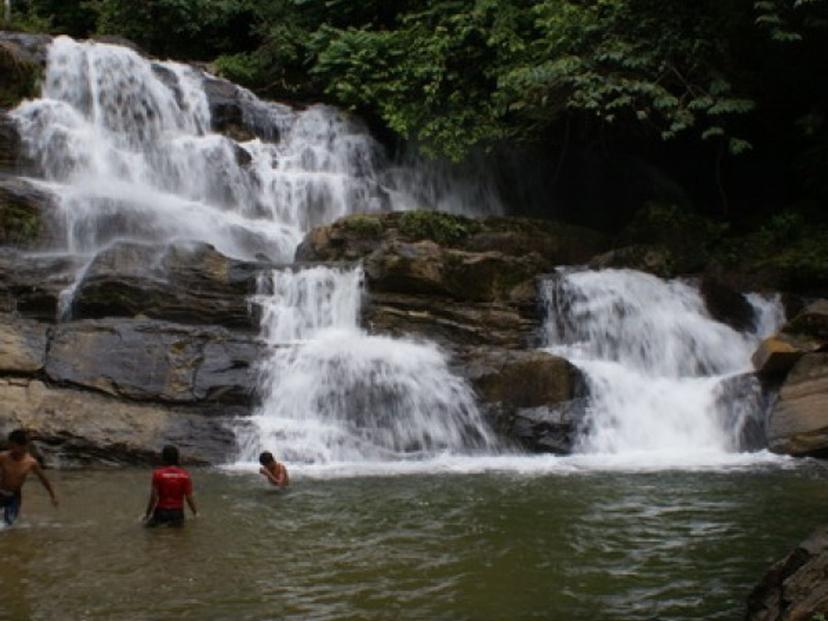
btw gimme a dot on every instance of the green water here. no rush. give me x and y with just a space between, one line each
666 545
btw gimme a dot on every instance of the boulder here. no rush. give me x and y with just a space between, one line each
186 283
358 236
798 422
235 113
451 323
22 344
147 360
656 260
19 72
727 305
806 333
534 399
30 47
425 267
796 587
811 322
77 427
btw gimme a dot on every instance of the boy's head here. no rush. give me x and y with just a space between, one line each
266 458
169 455
18 442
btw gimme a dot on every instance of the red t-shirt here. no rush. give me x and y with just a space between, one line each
172 484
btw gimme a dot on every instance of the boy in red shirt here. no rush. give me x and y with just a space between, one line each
170 486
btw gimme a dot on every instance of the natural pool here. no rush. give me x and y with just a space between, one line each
573 544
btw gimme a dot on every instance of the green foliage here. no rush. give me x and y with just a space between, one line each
368 227
440 227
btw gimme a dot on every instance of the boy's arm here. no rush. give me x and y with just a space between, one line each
39 473
153 500
191 501
282 478
269 476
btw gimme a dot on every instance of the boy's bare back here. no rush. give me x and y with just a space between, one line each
13 472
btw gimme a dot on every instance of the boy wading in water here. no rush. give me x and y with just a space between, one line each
272 470
171 484
15 466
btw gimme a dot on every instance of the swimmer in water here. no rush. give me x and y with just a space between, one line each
15 466
171 485
272 470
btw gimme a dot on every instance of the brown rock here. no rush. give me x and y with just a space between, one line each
74 426
656 260
796 587
811 322
22 344
778 354
798 423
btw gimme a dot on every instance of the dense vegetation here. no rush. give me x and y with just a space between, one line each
599 105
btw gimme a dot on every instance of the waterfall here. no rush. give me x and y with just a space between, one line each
333 393
126 146
654 360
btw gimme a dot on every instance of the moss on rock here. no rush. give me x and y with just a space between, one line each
20 223
364 226
19 77
443 228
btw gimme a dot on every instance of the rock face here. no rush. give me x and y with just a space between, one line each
74 426
796 587
798 424
532 397
795 362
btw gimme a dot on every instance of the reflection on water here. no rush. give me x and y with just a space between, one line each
570 546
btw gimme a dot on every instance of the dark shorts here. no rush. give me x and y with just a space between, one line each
166 517
10 504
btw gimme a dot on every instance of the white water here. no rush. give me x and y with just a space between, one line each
654 360
126 147
332 393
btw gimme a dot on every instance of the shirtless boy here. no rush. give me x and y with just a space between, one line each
272 470
15 466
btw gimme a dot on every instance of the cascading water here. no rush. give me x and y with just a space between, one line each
125 144
653 359
333 393
126 147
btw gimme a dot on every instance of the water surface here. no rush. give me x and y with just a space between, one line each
571 545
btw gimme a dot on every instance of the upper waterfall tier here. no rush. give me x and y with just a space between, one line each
127 146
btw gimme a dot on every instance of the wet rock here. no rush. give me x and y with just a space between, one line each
30 47
451 323
727 305
806 333
27 215
743 405
656 260
76 427
187 283
10 144
22 344
796 587
811 322
234 113
798 422
157 361
533 398
427 268
20 71
31 285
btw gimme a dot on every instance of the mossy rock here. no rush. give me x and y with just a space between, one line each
19 77
364 226
443 228
20 222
